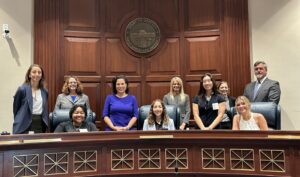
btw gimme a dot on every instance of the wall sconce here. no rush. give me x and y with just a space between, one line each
5 31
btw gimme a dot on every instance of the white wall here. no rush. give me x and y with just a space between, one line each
275 30
16 53
275 38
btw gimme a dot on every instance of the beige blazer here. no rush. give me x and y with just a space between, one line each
64 101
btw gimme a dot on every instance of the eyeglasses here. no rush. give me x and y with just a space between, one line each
72 83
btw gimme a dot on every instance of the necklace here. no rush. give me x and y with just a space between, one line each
34 94
34 97
208 97
121 96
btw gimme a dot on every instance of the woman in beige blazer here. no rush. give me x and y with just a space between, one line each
72 94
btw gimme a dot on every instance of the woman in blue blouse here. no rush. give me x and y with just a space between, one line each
72 94
120 109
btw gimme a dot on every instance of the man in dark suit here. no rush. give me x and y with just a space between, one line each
263 89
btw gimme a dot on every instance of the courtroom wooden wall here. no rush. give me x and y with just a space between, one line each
85 38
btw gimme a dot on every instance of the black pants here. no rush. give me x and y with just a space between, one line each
225 125
217 127
37 125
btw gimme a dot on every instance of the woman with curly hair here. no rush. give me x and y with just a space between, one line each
72 94
158 118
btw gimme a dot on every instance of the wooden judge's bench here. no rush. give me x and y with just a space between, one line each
152 153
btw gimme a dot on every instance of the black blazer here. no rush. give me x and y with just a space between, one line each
231 104
22 108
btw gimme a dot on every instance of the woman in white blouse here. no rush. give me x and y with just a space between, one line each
245 119
158 118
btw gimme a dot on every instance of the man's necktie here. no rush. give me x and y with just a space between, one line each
257 85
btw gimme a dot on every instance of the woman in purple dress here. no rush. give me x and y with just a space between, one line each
120 109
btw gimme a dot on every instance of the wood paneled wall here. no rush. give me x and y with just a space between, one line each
85 38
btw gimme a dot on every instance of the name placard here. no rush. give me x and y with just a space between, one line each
284 136
157 137
43 140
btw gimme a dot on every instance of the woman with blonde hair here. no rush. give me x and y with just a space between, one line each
158 118
72 94
177 97
245 119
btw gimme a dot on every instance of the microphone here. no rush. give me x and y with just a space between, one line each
5 133
176 167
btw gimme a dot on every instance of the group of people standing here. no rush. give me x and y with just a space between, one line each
211 106
30 105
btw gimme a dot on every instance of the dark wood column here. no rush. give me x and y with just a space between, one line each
85 38
47 48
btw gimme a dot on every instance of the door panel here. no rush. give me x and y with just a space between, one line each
85 38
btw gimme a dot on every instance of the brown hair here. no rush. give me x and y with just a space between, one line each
151 117
28 79
202 90
65 88
224 82
261 62
114 83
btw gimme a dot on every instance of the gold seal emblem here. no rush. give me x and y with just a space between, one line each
142 35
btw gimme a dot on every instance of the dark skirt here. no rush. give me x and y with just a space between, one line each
226 125
37 125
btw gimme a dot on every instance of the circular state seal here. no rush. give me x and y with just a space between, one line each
142 35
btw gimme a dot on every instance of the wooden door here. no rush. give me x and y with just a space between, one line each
85 38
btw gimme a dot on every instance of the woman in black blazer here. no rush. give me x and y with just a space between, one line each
30 106
224 90
77 122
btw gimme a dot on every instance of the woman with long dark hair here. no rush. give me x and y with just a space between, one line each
30 106
120 110
208 105
158 118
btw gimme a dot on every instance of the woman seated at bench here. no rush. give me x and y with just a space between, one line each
158 118
245 119
77 121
